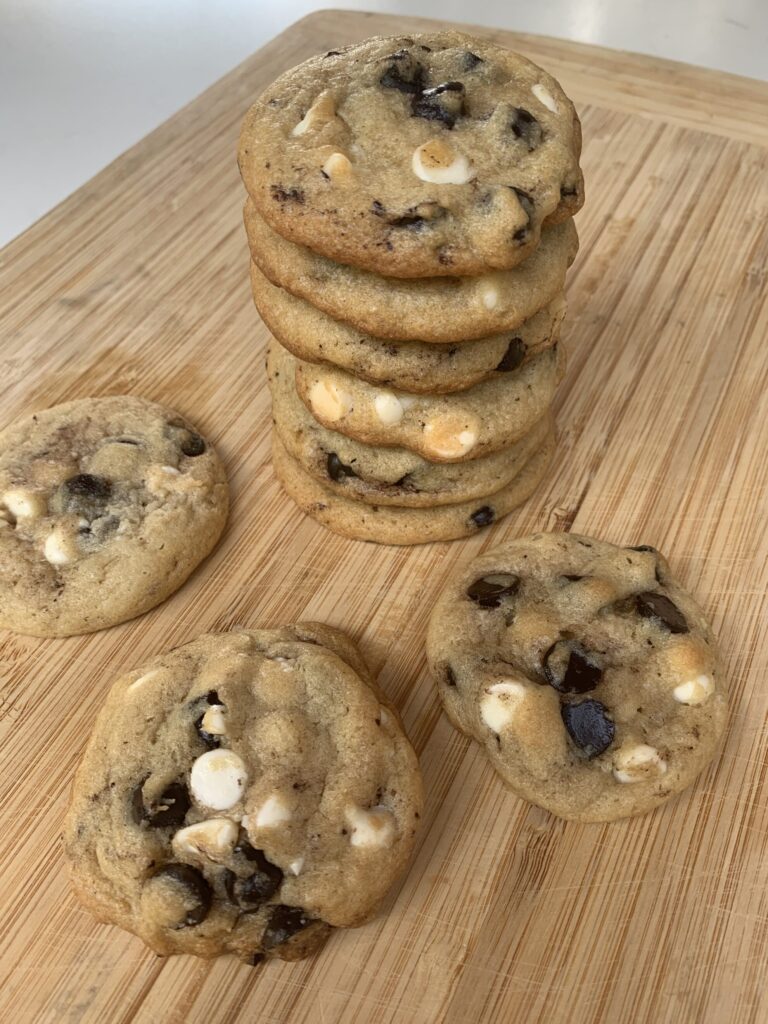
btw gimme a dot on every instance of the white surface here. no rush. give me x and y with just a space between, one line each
81 80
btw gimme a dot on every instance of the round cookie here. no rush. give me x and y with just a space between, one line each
415 366
244 793
436 154
441 428
394 525
589 676
387 476
428 309
106 507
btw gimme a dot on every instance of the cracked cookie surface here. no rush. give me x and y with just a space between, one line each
415 156
590 677
106 507
245 793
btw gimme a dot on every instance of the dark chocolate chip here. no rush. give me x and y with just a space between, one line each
444 103
170 810
197 893
287 195
378 208
514 356
337 469
449 675
643 547
250 892
652 605
212 697
333 53
588 726
490 591
525 127
258 958
284 922
404 73
568 191
570 669
211 740
484 516
572 577
86 493
469 61
526 201
192 445
418 217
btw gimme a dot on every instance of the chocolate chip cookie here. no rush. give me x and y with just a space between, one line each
441 428
388 524
588 674
416 366
428 309
387 476
106 507
245 793
428 155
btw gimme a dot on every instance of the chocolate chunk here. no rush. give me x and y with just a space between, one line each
212 697
284 922
588 726
196 893
525 127
287 195
444 103
250 892
192 445
167 812
652 605
337 469
490 591
85 494
484 516
570 669
513 357
469 61
404 73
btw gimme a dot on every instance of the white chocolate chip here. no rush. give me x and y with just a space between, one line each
274 811
321 112
329 400
214 721
25 504
296 865
450 436
373 828
543 95
497 708
694 691
384 716
339 169
214 839
218 779
638 763
437 163
61 546
489 295
388 408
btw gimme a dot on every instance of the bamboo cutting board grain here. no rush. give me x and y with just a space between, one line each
139 283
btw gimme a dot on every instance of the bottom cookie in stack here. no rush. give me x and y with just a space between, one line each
393 495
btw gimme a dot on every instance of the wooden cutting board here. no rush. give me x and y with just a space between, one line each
139 283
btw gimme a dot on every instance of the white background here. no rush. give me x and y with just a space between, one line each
81 80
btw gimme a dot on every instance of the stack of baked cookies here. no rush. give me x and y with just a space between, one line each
409 221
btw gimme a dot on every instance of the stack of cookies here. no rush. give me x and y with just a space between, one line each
409 222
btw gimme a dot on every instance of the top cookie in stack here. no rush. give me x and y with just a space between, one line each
409 220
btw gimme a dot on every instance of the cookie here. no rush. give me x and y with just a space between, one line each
441 428
106 507
245 793
415 366
428 309
387 524
416 156
387 476
590 677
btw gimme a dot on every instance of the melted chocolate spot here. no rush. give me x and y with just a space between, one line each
490 591
513 357
337 469
170 810
484 516
404 74
652 605
86 494
569 668
284 922
588 726
526 128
